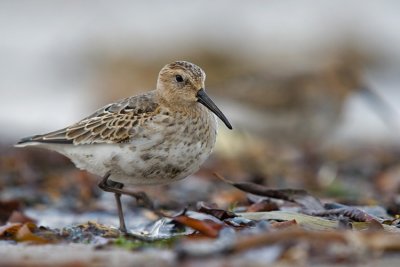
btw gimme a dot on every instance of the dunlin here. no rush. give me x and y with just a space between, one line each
154 138
289 101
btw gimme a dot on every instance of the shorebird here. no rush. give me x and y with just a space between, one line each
287 101
153 138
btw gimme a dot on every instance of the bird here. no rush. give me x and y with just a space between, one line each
285 101
153 138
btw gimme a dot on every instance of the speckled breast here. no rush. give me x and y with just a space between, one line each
183 147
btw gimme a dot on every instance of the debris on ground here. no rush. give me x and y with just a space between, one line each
230 222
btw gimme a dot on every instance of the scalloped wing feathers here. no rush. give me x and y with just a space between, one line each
114 123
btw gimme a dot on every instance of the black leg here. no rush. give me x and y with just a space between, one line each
110 186
116 188
122 226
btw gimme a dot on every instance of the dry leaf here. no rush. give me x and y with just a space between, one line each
298 196
206 227
263 205
10 229
25 234
284 225
214 211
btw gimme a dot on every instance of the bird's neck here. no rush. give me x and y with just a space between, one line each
189 108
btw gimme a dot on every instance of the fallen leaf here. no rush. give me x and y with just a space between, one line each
284 225
239 222
25 234
353 213
10 229
309 222
298 196
263 205
214 211
206 227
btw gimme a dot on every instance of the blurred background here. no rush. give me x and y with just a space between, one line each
60 61
311 87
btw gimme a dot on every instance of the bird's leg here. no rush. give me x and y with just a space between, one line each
141 197
116 188
122 226
111 186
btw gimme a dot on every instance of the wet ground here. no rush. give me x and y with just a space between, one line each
229 213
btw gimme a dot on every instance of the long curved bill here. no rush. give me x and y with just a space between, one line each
203 99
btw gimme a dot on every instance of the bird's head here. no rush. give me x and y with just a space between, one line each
181 83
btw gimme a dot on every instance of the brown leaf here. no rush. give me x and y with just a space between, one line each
298 196
283 225
25 234
207 227
9 230
263 205
353 213
214 211
19 217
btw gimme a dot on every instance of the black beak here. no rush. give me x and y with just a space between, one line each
203 98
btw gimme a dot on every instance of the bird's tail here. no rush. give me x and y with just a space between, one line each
28 141
56 137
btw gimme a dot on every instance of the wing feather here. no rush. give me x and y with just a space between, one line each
113 123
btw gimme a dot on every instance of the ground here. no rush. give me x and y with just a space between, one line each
229 213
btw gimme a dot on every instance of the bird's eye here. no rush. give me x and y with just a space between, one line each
179 78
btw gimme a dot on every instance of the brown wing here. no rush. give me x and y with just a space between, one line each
110 124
